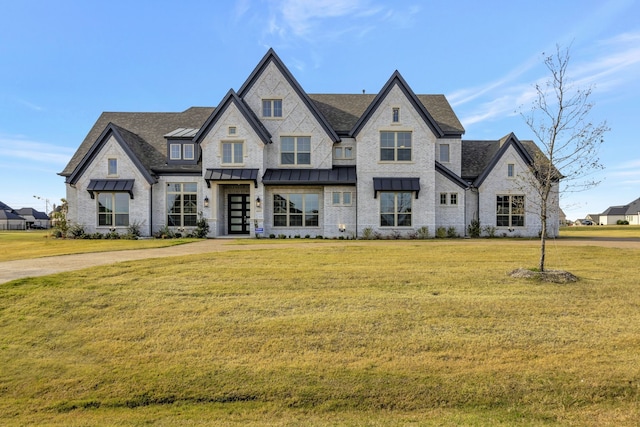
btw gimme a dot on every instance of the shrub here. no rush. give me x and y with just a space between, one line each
282 236
423 232
76 231
474 228
368 234
451 232
441 233
202 228
395 235
113 234
489 230
164 233
272 236
622 222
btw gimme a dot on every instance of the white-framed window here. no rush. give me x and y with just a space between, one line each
449 198
175 151
232 130
453 198
188 152
113 209
296 210
343 153
182 204
295 150
112 166
511 170
444 153
395 115
395 146
272 108
443 198
341 198
395 209
510 211
232 152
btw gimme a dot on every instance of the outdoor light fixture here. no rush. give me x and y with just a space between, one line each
342 227
206 202
258 202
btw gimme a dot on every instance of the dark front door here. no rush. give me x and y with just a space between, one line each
238 214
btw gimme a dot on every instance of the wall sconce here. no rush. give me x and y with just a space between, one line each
206 202
258 202
342 227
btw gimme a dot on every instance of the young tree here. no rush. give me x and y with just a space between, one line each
569 141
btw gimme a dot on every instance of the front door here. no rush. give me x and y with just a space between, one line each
238 214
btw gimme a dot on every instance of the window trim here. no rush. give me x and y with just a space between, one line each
343 151
341 198
510 214
448 157
233 153
193 216
286 197
511 170
272 103
112 167
396 149
396 213
113 215
395 115
296 151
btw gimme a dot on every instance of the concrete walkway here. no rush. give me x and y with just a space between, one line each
18 269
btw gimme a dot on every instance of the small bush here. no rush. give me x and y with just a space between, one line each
395 235
441 233
368 234
489 230
452 233
474 228
202 228
423 232
307 236
282 236
76 231
622 222
272 236
164 233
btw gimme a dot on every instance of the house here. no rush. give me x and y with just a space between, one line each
9 219
629 212
34 218
274 159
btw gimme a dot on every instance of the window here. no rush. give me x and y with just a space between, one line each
395 209
113 167
510 170
341 198
182 204
510 211
188 152
395 146
444 153
443 198
295 150
175 151
232 130
295 210
272 108
113 209
395 115
232 152
343 153
453 198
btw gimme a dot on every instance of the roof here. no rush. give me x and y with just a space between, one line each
232 175
629 209
396 184
6 214
148 129
339 175
4 207
114 185
32 212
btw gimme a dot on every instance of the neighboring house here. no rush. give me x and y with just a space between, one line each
613 214
273 159
9 219
34 218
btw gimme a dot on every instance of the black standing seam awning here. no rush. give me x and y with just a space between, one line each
339 175
110 185
395 184
231 175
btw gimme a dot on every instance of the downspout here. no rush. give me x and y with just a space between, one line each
151 210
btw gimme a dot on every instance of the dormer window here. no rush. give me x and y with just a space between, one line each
178 151
395 115
188 152
180 146
175 151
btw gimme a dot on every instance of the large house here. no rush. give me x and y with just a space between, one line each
273 159
629 213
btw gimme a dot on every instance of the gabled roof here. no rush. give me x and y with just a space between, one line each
232 98
32 212
630 209
149 129
397 79
4 207
451 176
272 57
6 214
480 157
136 148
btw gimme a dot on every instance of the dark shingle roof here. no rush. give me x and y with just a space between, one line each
6 214
4 207
34 213
477 155
143 132
343 110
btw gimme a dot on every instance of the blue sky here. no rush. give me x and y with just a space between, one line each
62 63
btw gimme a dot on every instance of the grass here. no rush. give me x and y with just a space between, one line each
613 231
36 244
366 333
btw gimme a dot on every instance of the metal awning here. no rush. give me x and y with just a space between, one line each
395 184
231 175
339 175
110 185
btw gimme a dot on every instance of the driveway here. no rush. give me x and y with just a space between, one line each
18 269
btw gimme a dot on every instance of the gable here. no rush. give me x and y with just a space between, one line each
268 77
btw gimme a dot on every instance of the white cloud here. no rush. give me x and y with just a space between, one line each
34 152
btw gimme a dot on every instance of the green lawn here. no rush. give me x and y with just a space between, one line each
36 244
369 333
613 231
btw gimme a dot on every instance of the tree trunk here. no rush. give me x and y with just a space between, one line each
543 242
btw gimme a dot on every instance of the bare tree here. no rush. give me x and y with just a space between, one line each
569 141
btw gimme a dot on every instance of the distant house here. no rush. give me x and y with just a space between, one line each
9 219
274 159
34 218
629 212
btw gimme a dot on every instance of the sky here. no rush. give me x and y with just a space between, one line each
63 63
